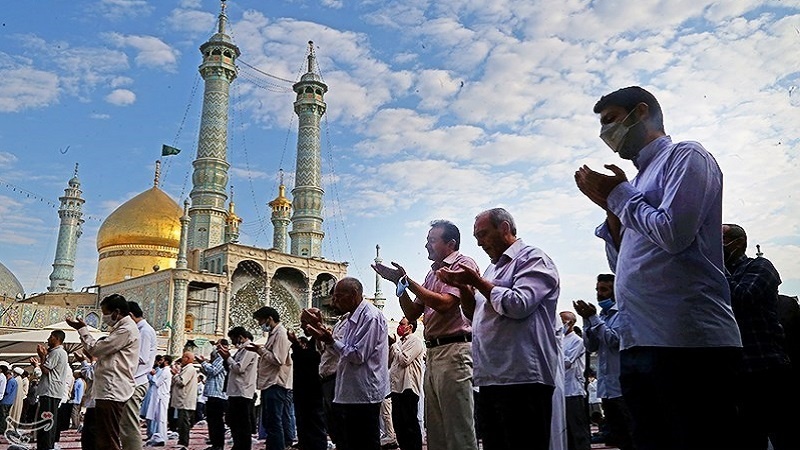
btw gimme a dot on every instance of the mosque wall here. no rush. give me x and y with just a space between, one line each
15 315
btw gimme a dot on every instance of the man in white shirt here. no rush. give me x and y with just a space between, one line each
405 375
184 400
54 370
241 386
117 359
274 376
513 312
129 427
578 433
362 375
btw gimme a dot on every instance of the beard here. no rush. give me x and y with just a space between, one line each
634 141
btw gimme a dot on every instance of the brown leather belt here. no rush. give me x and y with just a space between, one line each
448 340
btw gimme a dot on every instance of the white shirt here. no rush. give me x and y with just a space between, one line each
670 287
54 382
574 364
407 356
362 375
117 358
275 363
329 359
147 351
513 332
242 374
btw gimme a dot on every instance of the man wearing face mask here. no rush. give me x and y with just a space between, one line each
405 378
766 383
679 340
579 436
117 358
274 375
216 398
241 386
158 407
601 335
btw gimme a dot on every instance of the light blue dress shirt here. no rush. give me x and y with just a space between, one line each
513 332
362 375
601 335
670 285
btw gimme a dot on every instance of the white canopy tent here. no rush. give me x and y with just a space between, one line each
17 348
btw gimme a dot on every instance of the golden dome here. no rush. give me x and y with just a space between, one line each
150 218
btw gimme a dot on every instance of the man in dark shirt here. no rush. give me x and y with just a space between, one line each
766 371
311 432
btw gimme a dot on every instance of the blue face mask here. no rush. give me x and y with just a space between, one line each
605 304
402 285
266 328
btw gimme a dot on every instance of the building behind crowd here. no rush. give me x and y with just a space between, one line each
183 263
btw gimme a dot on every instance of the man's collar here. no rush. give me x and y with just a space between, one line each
356 314
511 252
447 261
649 151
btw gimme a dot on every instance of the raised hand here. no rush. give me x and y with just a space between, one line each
584 309
388 273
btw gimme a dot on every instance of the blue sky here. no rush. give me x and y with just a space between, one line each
435 110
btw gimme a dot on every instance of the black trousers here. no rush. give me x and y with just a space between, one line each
46 439
184 425
579 436
109 415
333 419
619 423
681 398
215 417
405 406
764 411
89 430
311 431
516 416
361 428
240 419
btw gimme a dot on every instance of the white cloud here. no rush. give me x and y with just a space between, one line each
25 87
121 97
7 159
121 9
335 4
152 51
98 116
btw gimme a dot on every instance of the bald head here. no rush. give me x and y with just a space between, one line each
187 358
348 293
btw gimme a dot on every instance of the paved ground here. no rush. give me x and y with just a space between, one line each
70 440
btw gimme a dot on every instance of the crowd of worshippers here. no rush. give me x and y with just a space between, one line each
690 351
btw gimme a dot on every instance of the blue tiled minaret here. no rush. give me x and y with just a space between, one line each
210 178
69 231
307 234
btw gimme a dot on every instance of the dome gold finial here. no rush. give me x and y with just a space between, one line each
157 177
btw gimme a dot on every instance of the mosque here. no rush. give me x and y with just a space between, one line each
183 263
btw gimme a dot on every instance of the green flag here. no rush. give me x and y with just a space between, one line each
166 150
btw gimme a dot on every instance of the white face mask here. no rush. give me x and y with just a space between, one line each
614 133
108 320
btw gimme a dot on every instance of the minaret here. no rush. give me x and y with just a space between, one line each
380 300
210 177
180 294
232 223
307 231
281 213
69 231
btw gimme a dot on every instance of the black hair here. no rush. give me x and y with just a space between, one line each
115 302
239 332
413 324
135 309
627 98
266 311
605 277
450 231
59 334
